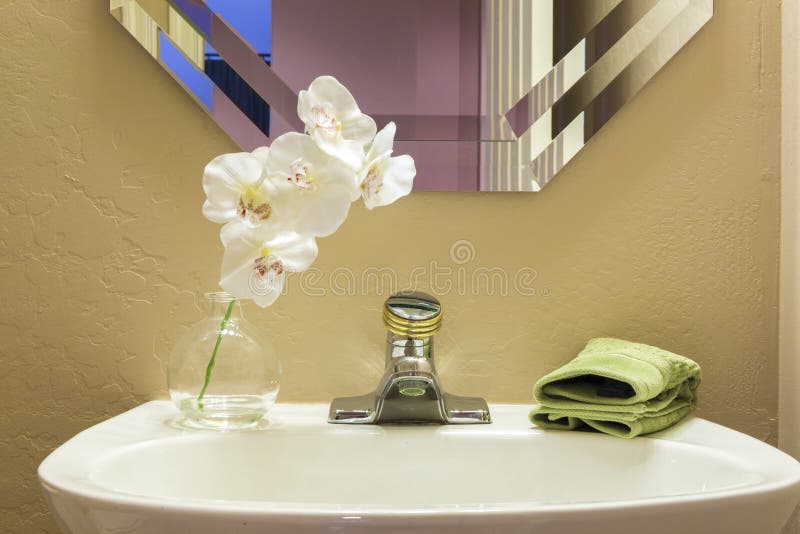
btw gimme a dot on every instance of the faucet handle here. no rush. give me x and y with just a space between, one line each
412 314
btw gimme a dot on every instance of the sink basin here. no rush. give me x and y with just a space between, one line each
140 473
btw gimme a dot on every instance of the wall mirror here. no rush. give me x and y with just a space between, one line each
488 95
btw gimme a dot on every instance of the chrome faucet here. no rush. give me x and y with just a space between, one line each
409 391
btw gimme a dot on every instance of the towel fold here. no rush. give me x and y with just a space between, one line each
618 387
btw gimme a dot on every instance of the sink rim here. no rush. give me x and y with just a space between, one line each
68 468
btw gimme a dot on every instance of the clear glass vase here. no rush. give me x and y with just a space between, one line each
223 373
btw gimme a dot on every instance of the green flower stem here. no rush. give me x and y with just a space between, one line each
213 359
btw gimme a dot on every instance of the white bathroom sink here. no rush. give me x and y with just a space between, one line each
138 473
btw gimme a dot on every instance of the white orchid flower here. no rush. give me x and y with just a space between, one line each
256 261
314 186
237 191
334 120
275 201
261 153
384 179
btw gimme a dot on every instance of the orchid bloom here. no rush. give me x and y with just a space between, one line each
237 191
316 187
334 121
275 201
255 262
383 178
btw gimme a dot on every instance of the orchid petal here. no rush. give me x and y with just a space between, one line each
316 187
361 129
233 230
256 261
240 168
385 179
329 89
284 151
261 153
350 152
224 178
237 266
297 252
223 206
325 212
396 180
384 141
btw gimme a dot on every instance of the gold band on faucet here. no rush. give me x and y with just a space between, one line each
400 311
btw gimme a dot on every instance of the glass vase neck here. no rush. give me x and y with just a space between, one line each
219 304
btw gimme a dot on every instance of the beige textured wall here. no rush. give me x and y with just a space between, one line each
664 229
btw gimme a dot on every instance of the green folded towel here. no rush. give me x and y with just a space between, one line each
618 387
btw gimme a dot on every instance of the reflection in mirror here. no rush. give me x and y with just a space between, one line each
490 95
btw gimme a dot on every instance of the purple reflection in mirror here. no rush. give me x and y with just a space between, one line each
417 63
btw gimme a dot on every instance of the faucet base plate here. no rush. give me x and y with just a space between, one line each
369 410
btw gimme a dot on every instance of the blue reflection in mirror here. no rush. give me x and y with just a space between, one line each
252 19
